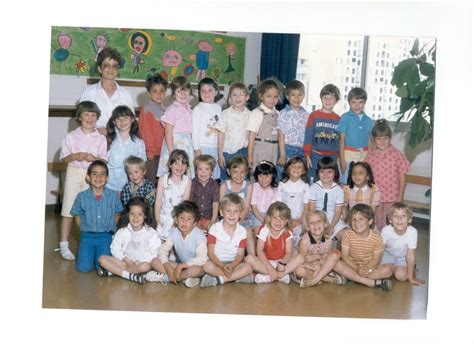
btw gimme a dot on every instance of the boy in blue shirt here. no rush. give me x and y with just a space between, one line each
96 211
354 132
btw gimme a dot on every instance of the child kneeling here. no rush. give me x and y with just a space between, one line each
190 248
134 245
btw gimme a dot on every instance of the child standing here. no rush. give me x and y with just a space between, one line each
361 187
321 138
262 125
137 185
400 240
178 121
354 131
239 185
205 118
362 249
79 148
190 246
390 167
274 246
96 211
150 126
205 191
172 189
293 190
122 135
134 245
316 257
226 246
326 195
232 127
292 122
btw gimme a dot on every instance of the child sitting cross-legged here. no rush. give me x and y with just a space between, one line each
190 248
134 245
226 246
362 249
274 246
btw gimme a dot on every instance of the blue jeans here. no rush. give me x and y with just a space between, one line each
289 152
228 157
91 247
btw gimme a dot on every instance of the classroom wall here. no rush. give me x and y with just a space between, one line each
59 127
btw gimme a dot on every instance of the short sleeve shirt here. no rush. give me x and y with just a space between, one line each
362 250
357 130
205 196
398 245
226 247
387 167
292 123
180 116
77 141
234 125
262 198
274 248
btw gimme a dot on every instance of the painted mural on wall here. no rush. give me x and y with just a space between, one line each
194 55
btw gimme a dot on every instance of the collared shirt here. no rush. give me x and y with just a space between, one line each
180 116
147 190
191 250
263 198
119 151
77 141
387 167
204 196
365 195
357 131
335 197
234 125
292 123
97 94
256 117
97 215
226 247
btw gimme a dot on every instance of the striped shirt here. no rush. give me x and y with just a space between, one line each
362 250
365 195
97 215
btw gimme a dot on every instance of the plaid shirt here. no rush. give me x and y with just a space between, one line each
147 190
365 195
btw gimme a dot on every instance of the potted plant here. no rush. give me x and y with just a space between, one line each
414 79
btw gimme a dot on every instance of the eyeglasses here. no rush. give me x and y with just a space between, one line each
109 66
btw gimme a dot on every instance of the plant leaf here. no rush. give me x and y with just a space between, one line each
427 69
406 104
402 71
402 92
415 50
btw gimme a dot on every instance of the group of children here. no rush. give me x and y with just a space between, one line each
276 195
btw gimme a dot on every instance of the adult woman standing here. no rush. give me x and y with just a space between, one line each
107 94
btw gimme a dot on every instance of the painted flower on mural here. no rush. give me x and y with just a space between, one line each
80 66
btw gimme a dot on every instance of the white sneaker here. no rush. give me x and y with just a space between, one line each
66 253
192 282
153 276
259 278
285 279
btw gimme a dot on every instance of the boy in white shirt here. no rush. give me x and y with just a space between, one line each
400 240
226 241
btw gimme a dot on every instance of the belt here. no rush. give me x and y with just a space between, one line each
97 233
266 140
363 149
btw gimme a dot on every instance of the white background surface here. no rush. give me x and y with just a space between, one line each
25 83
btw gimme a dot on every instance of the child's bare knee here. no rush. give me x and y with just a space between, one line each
401 274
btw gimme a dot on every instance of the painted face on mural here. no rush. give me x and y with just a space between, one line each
139 44
172 58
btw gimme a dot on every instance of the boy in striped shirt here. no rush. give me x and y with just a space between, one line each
362 249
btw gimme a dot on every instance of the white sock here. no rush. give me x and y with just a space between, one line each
221 279
126 274
63 244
